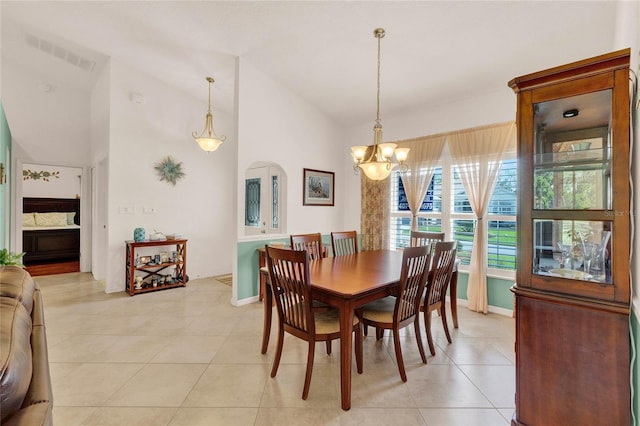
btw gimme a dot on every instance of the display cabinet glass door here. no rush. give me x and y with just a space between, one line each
572 208
579 250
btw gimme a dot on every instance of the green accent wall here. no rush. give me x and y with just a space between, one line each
5 160
498 293
635 368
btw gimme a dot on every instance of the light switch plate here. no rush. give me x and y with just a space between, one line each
126 209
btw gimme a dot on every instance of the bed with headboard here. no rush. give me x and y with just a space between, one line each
50 229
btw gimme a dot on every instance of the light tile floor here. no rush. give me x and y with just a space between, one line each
186 356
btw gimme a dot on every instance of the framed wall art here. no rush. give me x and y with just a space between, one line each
318 188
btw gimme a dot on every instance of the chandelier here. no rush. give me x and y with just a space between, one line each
208 140
379 161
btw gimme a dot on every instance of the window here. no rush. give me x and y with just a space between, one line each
446 202
431 210
263 199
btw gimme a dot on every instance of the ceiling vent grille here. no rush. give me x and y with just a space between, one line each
60 53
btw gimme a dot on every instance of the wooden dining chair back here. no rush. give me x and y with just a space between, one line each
312 243
344 243
444 257
398 312
420 238
291 288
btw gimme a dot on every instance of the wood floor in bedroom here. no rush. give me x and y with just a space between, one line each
54 268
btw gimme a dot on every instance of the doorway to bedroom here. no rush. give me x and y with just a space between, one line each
51 218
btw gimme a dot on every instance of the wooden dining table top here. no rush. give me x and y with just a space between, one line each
357 274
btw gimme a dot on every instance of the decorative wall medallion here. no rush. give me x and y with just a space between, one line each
170 170
41 175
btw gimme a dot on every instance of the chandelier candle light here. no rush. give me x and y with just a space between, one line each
379 164
208 140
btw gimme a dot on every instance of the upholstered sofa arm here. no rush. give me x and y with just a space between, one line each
40 392
26 397
33 415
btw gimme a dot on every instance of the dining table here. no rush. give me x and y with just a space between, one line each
347 282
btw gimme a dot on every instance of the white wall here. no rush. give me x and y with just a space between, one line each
99 153
65 183
200 206
99 116
491 108
278 126
49 127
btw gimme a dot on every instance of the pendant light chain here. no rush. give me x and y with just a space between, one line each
378 101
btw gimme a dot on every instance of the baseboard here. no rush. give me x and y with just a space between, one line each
462 303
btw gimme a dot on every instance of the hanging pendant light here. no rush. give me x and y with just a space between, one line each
378 164
208 140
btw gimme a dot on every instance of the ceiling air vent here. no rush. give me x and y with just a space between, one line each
61 53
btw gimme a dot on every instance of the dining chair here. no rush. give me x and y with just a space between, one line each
264 280
291 287
420 238
394 313
344 243
444 257
312 243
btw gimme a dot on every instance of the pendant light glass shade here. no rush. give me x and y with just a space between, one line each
208 140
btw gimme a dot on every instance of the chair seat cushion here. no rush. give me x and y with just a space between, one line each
329 322
379 310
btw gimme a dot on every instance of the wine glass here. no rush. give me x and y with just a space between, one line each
599 264
566 252
589 251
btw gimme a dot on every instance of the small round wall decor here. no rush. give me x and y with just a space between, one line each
170 170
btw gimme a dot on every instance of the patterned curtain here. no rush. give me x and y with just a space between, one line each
374 216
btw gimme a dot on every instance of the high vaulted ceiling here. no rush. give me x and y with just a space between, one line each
434 52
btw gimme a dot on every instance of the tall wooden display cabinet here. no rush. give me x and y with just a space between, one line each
572 283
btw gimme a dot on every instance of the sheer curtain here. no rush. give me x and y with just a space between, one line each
422 160
478 153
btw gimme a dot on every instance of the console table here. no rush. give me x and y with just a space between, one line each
162 269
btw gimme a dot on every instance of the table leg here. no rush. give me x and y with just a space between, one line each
267 305
262 262
346 335
453 295
261 290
